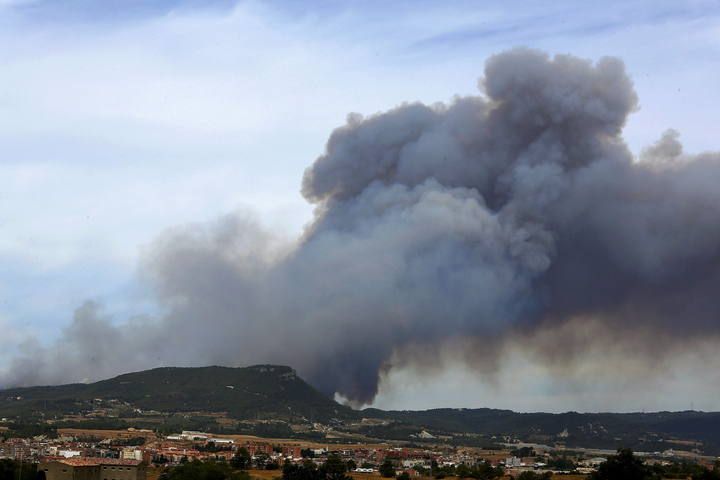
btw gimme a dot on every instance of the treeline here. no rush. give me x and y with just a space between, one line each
27 430
197 470
626 466
333 469
480 471
12 470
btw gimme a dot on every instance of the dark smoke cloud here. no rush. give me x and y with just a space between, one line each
490 217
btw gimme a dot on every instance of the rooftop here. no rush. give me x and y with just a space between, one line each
92 461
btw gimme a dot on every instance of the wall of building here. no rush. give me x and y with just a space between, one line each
122 472
61 471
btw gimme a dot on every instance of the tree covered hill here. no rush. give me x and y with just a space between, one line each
278 394
641 431
261 391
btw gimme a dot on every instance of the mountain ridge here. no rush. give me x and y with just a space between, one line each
272 400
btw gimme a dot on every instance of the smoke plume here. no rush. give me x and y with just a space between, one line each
491 217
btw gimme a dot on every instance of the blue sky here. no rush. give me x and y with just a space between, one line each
119 119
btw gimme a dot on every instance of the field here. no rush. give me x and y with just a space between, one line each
305 443
83 432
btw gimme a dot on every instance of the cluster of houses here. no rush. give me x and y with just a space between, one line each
129 455
69 457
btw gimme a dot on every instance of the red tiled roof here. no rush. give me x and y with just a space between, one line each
92 461
79 462
116 461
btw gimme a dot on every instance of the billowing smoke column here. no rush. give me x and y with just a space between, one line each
514 211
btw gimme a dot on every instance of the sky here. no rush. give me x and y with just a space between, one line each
121 119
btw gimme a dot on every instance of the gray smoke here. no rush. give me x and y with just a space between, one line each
491 217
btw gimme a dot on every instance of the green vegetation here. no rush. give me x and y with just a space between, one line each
534 476
242 459
482 471
623 466
12 470
168 400
626 466
26 430
333 469
387 469
684 470
523 452
204 471
561 463
262 391
640 431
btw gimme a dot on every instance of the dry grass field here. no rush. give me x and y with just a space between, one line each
265 474
305 443
83 432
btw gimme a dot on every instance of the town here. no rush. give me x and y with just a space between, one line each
142 454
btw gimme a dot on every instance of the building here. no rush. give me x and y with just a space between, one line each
15 449
131 453
70 469
113 469
92 469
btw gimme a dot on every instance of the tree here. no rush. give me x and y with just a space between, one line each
485 471
523 452
12 470
261 460
462 471
707 475
403 476
241 459
563 463
197 470
351 465
334 468
623 466
534 476
307 471
387 469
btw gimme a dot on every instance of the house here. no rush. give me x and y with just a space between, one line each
76 468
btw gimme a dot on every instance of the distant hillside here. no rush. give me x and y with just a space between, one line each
641 431
271 400
261 391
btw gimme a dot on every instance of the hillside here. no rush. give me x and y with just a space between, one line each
641 431
270 400
261 391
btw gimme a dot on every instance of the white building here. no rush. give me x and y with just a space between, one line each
131 454
69 453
